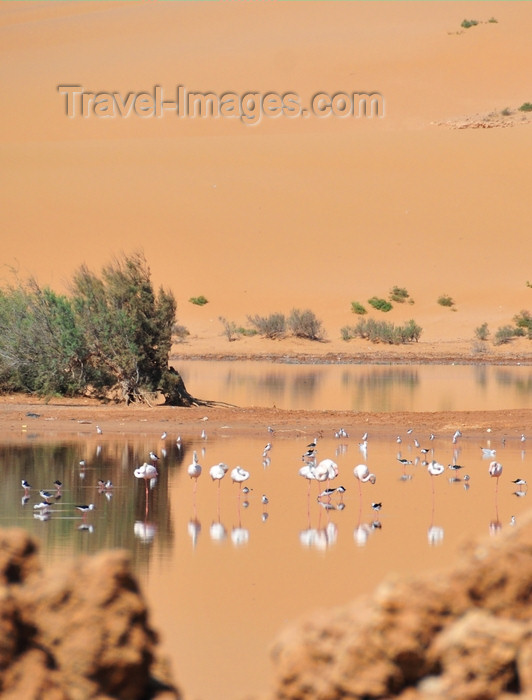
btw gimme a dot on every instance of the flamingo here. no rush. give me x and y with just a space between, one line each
194 469
238 476
495 471
435 469
307 472
146 472
363 474
218 471
326 470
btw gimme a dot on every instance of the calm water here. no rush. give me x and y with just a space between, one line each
360 387
224 573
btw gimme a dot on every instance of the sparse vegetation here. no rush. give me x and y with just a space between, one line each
492 20
110 338
180 333
523 321
382 331
398 294
482 332
230 328
232 331
446 300
380 304
478 348
199 301
504 334
304 324
526 107
506 112
357 308
467 23
272 326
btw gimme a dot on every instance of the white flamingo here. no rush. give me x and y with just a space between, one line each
146 472
218 471
194 469
307 472
326 470
363 474
238 476
434 468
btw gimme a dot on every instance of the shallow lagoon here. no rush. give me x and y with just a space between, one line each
222 572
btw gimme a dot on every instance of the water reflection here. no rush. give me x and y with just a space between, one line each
266 539
360 387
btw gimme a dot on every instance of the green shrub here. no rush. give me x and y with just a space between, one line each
357 308
445 300
111 337
180 332
398 294
232 331
526 107
380 304
382 331
199 301
523 321
304 324
230 328
272 326
346 333
467 23
504 334
482 332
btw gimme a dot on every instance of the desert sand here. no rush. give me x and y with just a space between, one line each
290 212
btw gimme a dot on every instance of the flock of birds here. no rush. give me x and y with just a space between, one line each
323 472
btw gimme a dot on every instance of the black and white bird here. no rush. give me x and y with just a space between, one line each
520 482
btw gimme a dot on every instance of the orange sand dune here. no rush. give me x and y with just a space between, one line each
291 212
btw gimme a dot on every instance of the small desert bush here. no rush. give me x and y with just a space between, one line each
380 304
179 333
478 348
272 326
398 294
506 112
467 23
504 334
523 321
493 20
230 329
304 324
526 107
357 308
445 300
382 332
199 301
482 332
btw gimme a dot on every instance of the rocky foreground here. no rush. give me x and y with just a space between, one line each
81 632
462 635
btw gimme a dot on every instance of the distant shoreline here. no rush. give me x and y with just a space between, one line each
381 358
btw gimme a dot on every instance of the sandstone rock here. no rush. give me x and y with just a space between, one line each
466 635
75 632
